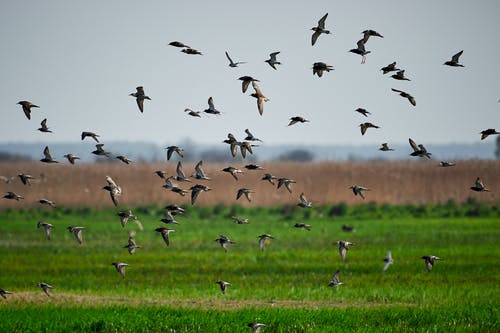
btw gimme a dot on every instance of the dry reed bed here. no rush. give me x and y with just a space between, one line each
402 182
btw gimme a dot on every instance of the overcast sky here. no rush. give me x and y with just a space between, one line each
79 60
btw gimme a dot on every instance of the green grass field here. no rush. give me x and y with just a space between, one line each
173 288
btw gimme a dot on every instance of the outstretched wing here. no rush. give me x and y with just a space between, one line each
456 57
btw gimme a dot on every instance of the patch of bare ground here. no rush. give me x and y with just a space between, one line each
413 181
77 300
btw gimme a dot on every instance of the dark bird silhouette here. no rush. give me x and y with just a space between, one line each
370 33
12 196
406 95
171 149
365 126
224 242
297 119
124 159
429 261
387 261
44 127
445 164
303 202
47 157
303 226
245 82
223 285
272 60
193 113
320 67
25 179
77 232
246 192
253 167
418 150
4 293
140 96
71 158
233 171
400 75
46 288
263 239
385 147
358 190
27 107
232 63
360 50
256 327
90 134
47 202
120 268
165 234
362 111
47 227
488 132
269 177
454 62
319 29
196 190
99 151
343 247
250 136
178 44
211 107
131 245
389 68
191 51
335 280
478 186
287 182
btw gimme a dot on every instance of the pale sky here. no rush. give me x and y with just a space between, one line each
79 60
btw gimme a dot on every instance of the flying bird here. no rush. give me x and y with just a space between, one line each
91 135
287 182
343 247
71 158
245 82
126 215
47 227
47 202
365 126
161 173
335 280
223 285
358 190
114 190
419 150
303 202
199 173
260 97
362 111
454 62
253 167
445 164
124 159
131 245
387 261
389 68
77 232
140 96
269 177
263 239
193 113
385 147
406 95
165 234
191 51
45 287
297 119
180 174
224 241
320 67
25 179
169 218
246 192
12 196
429 261
178 44
47 157
27 107
120 267
360 50
488 132
233 171
478 186
99 151
44 127
400 75
272 60
211 107
250 136
172 149
319 29
303 225
196 190
232 63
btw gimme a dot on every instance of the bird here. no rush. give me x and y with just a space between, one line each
48 202
287 182
362 111
211 107
253 167
180 174
114 190
303 201
245 82
191 51
358 190
124 159
45 287
140 96
270 178
46 226
385 147
178 190
343 247
256 327
25 179
175 209
262 240
303 225
246 192
165 234
419 150
12 196
445 164
232 63
161 173
224 241
454 62
406 95
400 75
297 119
199 173
319 29
478 186
360 50
244 147
125 215
196 190
120 267
77 231
347 228
169 218
131 245
389 68
335 280
488 132
172 149
387 261
47 157
99 151
71 158
320 67
250 136
193 113
260 97
272 60
27 107
223 285
91 135
365 126
44 127
429 261
178 44
239 220
4 293
233 171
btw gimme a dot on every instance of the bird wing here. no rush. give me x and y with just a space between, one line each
361 45
44 123
343 252
165 237
140 103
398 91
273 56
199 170
335 277
27 111
46 153
78 235
244 85
303 199
479 183
140 90
229 58
413 145
456 57
211 104
262 243
314 37
412 100
194 194
180 173
321 22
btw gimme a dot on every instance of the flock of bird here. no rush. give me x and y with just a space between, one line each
247 145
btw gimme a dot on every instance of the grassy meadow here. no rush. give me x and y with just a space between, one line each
286 286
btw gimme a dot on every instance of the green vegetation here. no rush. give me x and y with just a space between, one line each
173 288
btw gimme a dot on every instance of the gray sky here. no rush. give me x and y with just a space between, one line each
79 60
